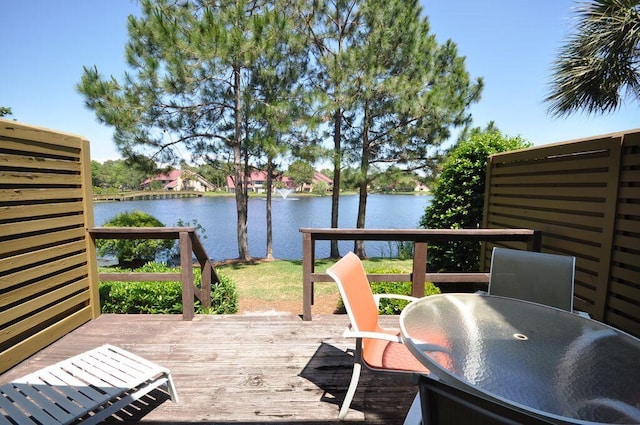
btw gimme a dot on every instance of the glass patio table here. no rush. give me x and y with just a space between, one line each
545 361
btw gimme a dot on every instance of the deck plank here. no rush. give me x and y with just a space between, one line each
274 369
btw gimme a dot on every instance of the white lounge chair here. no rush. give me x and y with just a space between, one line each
90 386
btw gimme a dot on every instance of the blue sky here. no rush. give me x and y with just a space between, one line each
511 44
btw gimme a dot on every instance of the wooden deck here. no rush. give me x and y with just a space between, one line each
275 369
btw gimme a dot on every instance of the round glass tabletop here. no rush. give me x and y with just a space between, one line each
538 358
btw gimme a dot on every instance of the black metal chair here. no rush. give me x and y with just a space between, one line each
443 404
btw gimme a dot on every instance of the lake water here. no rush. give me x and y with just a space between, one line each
217 215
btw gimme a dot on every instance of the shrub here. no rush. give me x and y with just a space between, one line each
390 306
163 297
133 252
458 198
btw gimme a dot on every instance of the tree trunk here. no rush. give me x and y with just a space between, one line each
358 247
335 196
269 224
241 188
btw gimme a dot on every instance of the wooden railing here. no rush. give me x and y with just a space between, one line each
420 238
189 244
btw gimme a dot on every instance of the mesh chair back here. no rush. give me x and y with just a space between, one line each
533 276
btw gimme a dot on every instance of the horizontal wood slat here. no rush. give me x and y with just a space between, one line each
18 162
573 148
49 194
40 179
554 166
30 212
38 139
29 243
596 193
534 179
41 225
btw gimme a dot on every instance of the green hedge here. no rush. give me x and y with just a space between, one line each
163 297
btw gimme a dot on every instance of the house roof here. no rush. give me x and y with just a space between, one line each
322 177
172 178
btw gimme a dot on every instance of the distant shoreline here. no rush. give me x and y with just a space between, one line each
167 194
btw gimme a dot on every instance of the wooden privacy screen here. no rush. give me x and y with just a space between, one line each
584 196
48 275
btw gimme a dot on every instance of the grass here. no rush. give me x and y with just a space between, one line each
278 283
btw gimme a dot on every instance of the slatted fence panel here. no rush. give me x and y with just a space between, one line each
623 296
585 198
47 262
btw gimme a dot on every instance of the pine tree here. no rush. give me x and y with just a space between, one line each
280 105
409 92
190 63
331 26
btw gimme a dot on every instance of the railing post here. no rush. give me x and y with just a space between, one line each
205 283
186 264
418 274
308 261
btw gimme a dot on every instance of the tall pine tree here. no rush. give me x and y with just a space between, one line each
331 26
190 63
409 92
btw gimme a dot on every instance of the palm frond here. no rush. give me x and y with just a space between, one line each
597 67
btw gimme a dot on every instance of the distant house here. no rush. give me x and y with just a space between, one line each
258 182
318 177
421 187
180 180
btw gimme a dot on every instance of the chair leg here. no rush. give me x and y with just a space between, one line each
355 377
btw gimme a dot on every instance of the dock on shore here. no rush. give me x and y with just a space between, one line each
146 195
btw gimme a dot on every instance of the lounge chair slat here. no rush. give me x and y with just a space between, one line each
22 404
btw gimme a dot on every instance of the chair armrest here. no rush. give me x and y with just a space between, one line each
372 335
378 297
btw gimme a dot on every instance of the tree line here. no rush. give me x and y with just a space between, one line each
119 175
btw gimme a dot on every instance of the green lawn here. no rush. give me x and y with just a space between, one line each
278 284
